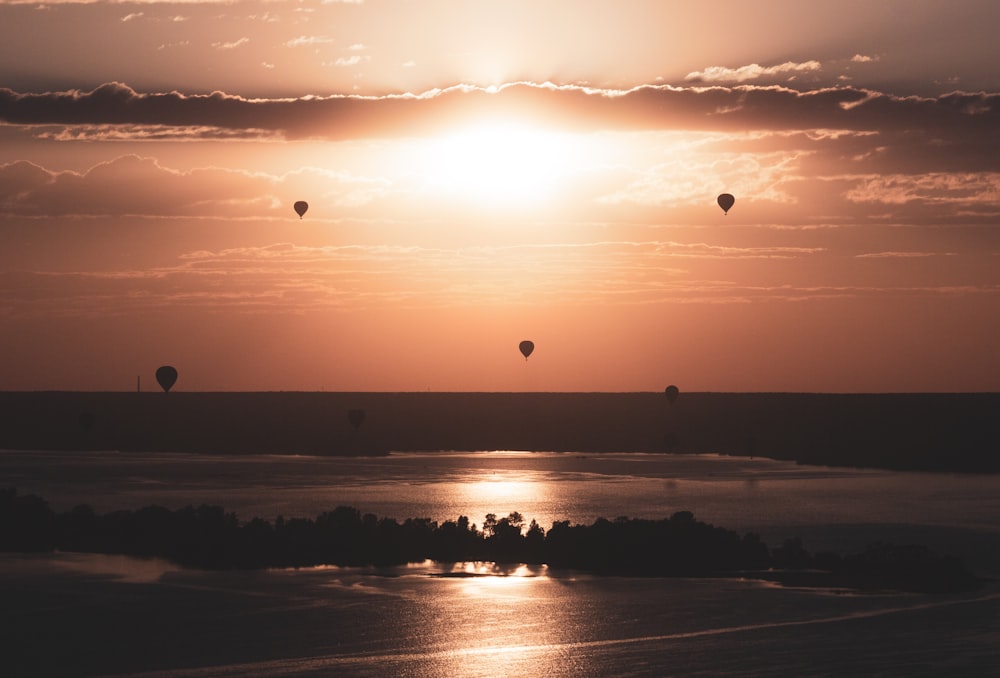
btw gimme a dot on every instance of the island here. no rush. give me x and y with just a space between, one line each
208 537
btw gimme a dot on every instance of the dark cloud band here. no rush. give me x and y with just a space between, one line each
959 115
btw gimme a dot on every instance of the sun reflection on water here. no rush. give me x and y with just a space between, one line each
502 493
500 487
499 621
501 574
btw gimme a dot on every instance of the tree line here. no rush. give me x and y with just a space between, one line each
208 537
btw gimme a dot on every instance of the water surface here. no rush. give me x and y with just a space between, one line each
774 498
84 614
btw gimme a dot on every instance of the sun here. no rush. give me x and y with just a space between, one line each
499 164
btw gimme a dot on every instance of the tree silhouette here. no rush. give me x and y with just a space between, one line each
208 537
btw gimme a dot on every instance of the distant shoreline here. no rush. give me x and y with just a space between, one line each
952 432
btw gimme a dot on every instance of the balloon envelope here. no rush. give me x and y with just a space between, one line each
300 207
672 393
726 202
526 347
166 376
356 417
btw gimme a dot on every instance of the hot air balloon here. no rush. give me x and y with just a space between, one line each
672 393
356 417
166 376
300 207
526 347
726 202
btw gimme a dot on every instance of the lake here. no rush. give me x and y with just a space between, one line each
77 614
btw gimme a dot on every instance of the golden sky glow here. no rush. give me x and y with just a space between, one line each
478 174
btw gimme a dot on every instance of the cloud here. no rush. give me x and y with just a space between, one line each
350 61
937 187
231 45
953 117
752 72
141 186
309 40
903 255
762 174
148 133
799 157
290 278
287 278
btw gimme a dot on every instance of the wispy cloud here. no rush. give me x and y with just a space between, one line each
309 41
231 45
148 133
352 60
904 255
289 278
285 278
753 72
170 45
141 186
935 187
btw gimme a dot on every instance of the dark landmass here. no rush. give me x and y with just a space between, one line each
680 546
936 432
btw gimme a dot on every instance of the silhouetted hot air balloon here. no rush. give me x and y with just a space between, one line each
300 207
356 417
166 376
526 347
672 393
726 202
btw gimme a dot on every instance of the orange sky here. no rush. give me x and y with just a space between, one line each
481 173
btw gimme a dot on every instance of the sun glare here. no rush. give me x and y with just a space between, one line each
500 489
500 164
